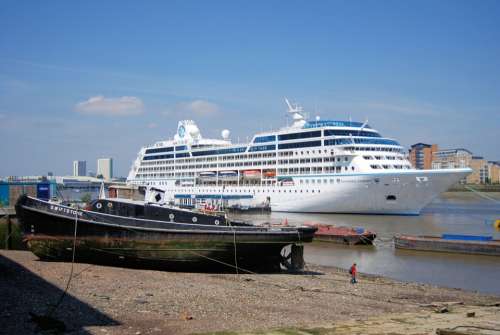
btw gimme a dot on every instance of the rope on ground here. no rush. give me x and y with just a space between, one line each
51 311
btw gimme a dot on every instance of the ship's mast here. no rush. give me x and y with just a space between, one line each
297 114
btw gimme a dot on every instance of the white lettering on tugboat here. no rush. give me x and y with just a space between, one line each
65 210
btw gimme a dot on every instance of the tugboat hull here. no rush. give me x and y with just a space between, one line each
49 231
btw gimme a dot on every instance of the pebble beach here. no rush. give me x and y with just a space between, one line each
112 300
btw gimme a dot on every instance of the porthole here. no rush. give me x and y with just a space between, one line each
195 219
98 205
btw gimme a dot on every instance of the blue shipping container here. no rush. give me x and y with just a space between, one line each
4 194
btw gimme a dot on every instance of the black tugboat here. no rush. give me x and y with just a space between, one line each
49 231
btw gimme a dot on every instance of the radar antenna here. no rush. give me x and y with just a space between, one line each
296 112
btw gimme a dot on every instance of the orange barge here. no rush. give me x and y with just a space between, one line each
343 235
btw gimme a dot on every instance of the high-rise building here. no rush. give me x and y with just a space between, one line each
105 167
421 155
79 168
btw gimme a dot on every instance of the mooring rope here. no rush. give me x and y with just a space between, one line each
49 314
481 194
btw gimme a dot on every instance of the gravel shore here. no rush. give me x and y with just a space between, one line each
112 300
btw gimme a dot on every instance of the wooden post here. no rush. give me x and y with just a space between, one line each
297 260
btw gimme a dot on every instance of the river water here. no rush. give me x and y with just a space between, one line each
457 213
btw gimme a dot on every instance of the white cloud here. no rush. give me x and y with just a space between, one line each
195 108
122 106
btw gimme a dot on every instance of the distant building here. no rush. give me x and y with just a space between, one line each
483 171
494 172
79 168
105 168
421 155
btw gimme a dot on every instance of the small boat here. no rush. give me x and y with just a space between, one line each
343 235
270 173
251 174
49 231
207 175
228 173
466 244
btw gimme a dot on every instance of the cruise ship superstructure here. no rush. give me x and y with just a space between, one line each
320 166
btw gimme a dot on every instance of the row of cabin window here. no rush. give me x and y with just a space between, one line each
285 137
238 164
317 133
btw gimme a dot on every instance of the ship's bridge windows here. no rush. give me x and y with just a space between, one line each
219 151
299 145
333 123
368 157
375 167
155 157
263 139
157 150
295 136
340 132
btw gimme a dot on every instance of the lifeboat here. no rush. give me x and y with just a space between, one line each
251 174
207 174
228 174
270 173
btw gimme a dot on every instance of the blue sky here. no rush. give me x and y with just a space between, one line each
90 79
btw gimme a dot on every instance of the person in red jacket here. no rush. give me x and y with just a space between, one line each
353 272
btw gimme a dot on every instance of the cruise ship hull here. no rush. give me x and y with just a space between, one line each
404 193
396 193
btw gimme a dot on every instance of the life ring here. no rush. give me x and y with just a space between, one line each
496 224
110 205
195 219
216 222
171 216
98 205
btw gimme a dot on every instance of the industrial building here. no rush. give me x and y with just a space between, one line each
12 188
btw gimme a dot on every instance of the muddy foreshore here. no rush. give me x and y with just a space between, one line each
112 300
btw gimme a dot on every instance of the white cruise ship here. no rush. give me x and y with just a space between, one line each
319 166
